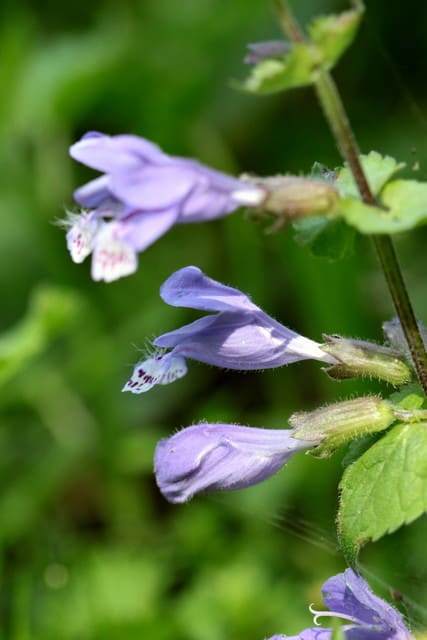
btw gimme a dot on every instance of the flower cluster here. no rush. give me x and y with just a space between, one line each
140 195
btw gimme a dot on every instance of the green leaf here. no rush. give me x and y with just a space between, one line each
410 397
331 239
378 170
329 37
334 34
296 69
357 447
384 489
405 203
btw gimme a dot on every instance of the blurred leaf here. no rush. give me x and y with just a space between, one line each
384 489
409 397
59 75
406 208
334 34
329 37
331 239
51 311
110 587
22 502
378 169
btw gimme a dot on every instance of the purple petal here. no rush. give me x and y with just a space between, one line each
216 194
189 287
115 153
93 193
215 457
315 633
348 593
205 204
153 187
237 340
141 229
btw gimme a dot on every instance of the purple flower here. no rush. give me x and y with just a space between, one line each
217 457
239 336
142 193
348 596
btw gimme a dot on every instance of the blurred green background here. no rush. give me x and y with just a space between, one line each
88 547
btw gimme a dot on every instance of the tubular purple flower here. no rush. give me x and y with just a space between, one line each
349 597
218 457
142 193
238 336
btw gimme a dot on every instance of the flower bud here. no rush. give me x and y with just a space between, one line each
357 358
292 197
341 422
218 457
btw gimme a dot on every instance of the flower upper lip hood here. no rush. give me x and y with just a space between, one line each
349 594
142 193
140 175
237 335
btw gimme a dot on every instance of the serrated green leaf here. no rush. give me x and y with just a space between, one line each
296 69
410 397
356 448
325 238
384 489
405 203
334 34
378 170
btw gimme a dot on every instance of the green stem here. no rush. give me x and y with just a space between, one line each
338 121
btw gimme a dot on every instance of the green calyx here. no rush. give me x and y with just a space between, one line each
339 423
360 359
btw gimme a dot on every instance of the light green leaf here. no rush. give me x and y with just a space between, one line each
410 397
297 68
405 203
326 238
334 34
378 170
385 488
329 37
357 448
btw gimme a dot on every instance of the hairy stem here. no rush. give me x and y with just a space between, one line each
338 121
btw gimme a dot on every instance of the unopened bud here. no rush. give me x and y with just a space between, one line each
341 422
359 359
292 197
